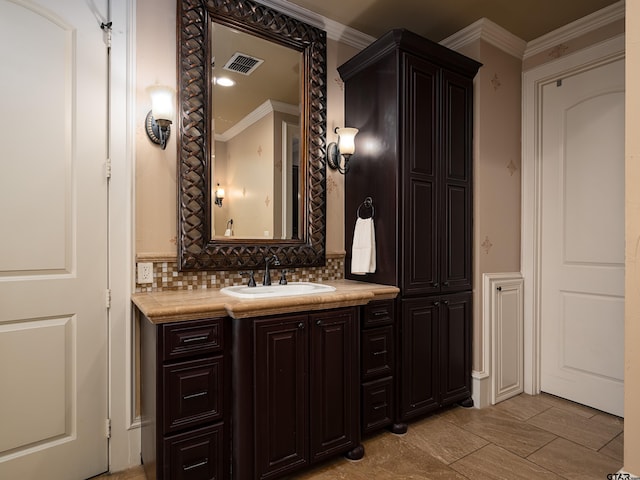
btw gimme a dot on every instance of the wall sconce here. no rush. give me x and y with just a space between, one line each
219 195
345 147
159 118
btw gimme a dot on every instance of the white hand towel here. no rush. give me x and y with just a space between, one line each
363 250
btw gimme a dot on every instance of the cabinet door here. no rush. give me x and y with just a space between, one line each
281 412
420 164
334 382
455 347
456 210
419 357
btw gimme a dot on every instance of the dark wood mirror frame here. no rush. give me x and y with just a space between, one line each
197 250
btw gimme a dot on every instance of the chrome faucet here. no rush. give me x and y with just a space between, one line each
266 280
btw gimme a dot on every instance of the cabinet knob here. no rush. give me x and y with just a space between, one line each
318 322
301 325
446 284
499 289
436 303
446 302
436 284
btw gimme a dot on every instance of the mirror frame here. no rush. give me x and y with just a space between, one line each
197 249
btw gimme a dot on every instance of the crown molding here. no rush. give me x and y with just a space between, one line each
261 111
335 31
575 29
490 32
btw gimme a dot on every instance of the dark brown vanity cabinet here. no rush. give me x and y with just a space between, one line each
412 100
295 389
184 432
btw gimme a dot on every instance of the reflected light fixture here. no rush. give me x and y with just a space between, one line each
219 195
159 118
345 147
224 81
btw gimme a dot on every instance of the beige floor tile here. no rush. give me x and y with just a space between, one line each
589 432
459 416
615 448
442 439
523 406
136 473
575 462
568 405
495 463
516 436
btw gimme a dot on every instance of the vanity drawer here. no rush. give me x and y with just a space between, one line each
377 352
183 339
193 393
378 313
195 455
377 404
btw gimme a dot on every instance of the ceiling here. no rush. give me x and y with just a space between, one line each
438 19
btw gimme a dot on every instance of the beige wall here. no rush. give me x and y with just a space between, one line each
632 215
155 184
496 173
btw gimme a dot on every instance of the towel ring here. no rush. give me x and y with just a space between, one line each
368 203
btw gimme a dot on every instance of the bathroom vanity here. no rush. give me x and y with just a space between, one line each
259 387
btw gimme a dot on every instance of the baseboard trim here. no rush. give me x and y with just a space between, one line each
480 389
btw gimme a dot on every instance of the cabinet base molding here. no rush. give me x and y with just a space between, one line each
466 403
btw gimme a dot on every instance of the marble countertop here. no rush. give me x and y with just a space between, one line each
172 306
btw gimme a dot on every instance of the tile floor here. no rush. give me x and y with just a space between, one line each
525 437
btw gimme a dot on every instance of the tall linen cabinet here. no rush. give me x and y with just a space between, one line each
412 101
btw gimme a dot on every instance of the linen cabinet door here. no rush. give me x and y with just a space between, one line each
334 382
455 348
419 360
420 164
457 203
281 395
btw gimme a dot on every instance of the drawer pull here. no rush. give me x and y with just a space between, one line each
381 352
186 468
380 313
195 339
195 395
380 407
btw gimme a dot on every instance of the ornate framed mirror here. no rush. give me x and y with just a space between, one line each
296 228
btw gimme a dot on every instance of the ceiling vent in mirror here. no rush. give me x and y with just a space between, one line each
243 63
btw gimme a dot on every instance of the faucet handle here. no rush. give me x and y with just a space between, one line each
283 278
252 280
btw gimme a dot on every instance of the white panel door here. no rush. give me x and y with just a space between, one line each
53 247
582 283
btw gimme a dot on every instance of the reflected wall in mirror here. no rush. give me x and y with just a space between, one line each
256 126
287 177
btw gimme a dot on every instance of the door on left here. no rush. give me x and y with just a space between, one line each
53 247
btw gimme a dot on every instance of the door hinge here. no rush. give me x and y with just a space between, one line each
108 298
106 28
108 428
107 168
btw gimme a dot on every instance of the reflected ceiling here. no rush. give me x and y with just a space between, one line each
438 19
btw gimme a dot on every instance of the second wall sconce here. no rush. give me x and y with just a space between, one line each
158 121
219 195
345 147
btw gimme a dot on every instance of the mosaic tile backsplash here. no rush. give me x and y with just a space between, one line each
166 276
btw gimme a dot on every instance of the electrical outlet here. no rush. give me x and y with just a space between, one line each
145 272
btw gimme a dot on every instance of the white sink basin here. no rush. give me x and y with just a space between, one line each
272 291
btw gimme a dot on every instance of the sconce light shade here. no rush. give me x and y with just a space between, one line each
219 195
159 118
345 147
